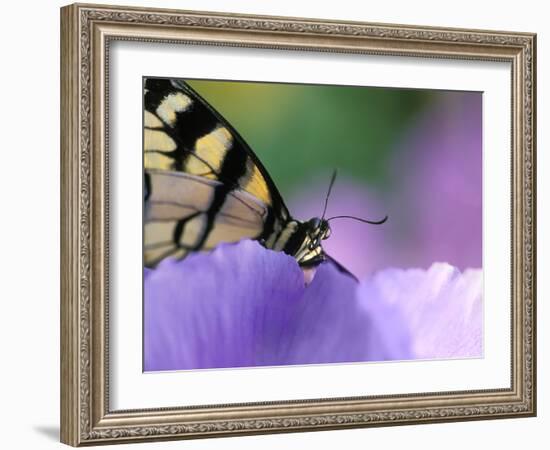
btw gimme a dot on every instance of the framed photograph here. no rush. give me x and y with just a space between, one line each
276 225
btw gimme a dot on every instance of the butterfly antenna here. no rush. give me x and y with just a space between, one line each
371 222
328 192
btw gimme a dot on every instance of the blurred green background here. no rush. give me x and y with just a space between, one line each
301 131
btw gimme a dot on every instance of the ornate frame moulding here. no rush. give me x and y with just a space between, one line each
86 33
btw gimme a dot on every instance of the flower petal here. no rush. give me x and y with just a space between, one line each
242 305
227 308
335 327
442 307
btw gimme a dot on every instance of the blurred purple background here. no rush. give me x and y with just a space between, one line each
433 197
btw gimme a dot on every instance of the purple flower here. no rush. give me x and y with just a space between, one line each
442 308
242 306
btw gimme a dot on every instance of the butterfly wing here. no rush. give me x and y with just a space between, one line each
177 214
203 183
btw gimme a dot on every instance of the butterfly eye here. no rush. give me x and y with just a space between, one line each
313 243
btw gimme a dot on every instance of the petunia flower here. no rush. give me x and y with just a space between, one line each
242 305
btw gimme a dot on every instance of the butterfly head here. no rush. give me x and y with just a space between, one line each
319 229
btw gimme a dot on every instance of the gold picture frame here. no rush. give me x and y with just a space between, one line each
86 33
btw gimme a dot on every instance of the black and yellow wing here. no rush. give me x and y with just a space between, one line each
202 183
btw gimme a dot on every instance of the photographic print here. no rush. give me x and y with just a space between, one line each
278 224
295 224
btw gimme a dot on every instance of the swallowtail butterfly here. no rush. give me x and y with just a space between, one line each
203 184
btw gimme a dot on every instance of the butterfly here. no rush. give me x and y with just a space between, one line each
204 185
